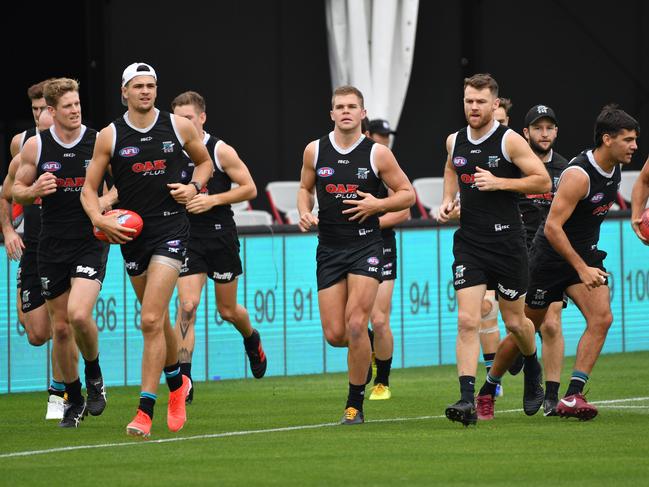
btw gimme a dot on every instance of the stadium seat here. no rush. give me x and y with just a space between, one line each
282 196
429 193
252 217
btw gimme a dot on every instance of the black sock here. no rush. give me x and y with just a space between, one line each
186 369
467 388
73 390
173 376
92 369
488 360
355 396
383 371
490 385
370 333
531 364
577 382
551 390
147 402
251 342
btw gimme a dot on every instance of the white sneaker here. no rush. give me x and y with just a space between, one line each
499 391
54 407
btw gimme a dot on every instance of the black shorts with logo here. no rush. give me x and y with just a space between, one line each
166 236
551 275
28 281
334 263
60 260
389 259
500 263
217 256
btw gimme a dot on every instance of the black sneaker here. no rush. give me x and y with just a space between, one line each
463 412
517 366
190 394
257 357
533 394
550 406
73 414
96 402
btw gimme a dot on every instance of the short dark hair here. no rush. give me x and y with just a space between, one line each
189 98
34 92
612 120
506 104
365 124
480 81
348 90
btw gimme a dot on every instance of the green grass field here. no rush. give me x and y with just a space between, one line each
228 439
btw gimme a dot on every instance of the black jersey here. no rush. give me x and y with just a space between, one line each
340 173
24 137
62 215
582 227
387 232
144 161
219 217
485 214
535 207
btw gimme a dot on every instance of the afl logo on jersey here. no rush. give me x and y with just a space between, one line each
51 166
597 197
129 151
459 161
325 172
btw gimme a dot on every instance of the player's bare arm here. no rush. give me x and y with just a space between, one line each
393 218
238 172
197 152
639 197
403 196
26 187
14 147
305 199
115 233
535 179
14 245
450 185
574 187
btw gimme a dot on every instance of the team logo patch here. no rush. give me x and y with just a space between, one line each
51 166
373 261
129 151
597 197
459 161
362 173
168 146
325 172
173 243
493 161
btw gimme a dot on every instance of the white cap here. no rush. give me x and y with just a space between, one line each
137 69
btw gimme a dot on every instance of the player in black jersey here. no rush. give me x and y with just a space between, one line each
71 262
35 95
31 309
143 152
566 258
501 114
485 161
213 249
383 342
347 169
541 130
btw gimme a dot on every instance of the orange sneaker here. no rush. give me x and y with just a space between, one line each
140 426
176 413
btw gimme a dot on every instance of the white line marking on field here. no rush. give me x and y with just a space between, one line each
253 432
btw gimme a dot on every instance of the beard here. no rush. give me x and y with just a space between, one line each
540 151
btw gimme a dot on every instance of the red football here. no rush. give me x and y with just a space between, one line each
126 218
644 224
